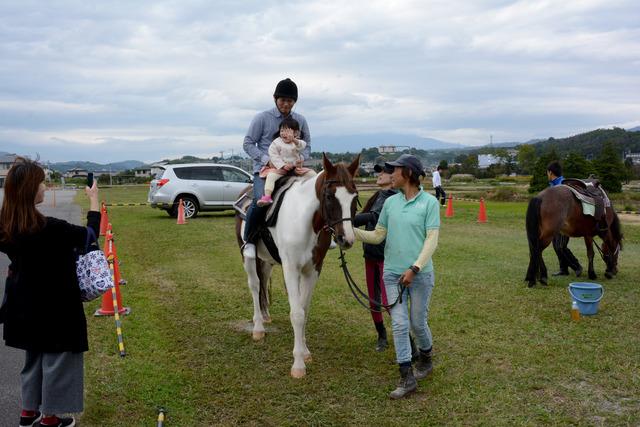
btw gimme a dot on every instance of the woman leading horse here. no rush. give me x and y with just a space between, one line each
556 210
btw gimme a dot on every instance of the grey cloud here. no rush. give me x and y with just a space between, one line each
200 68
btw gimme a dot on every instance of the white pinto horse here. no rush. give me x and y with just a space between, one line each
301 234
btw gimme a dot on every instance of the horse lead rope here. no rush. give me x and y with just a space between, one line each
353 287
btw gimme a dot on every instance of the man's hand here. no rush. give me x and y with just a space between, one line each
288 167
300 163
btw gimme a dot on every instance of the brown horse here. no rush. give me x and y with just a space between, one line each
556 210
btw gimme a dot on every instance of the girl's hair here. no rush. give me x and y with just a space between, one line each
414 179
19 214
287 122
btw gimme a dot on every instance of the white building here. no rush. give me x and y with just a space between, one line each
635 157
486 160
6 161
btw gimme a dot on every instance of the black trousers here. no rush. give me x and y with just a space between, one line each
440 192
565 256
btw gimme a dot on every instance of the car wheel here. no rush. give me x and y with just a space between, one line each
190 207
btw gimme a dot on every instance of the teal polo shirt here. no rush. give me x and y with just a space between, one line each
407 222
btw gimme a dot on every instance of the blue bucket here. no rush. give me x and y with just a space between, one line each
587 295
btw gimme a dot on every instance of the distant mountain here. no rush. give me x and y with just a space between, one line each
355 143
635 129
91 166
590 144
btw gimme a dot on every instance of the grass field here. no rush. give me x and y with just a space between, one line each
504 354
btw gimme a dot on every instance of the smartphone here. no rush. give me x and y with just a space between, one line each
90 180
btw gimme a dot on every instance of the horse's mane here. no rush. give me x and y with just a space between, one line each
616 229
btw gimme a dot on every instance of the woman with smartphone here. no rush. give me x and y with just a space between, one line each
42 311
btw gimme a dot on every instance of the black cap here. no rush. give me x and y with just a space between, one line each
409 161
286 89
383 168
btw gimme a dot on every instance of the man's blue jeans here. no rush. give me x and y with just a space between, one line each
255 214
419 295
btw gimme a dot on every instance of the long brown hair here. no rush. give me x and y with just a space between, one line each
19 214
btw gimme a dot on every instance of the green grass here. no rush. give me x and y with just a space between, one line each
504 354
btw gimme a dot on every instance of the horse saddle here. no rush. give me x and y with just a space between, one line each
590 192
271 218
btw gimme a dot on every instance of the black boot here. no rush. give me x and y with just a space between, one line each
424 365
382 343
406 385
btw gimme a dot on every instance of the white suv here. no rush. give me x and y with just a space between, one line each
201 186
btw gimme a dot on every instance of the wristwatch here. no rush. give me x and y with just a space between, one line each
415 269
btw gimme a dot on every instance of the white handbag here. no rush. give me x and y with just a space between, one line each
92 269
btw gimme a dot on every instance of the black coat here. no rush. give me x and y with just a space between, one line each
43 311
369 219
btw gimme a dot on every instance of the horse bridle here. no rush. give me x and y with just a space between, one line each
330 224
606 257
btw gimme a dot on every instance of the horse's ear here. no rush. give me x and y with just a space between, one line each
354 167
327 165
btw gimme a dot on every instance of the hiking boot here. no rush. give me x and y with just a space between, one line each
30 421
561 273
424 366
406 385
60 422
249 251
382 344
264 200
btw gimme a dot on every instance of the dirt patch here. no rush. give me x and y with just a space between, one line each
629 218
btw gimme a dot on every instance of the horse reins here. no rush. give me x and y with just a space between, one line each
358 294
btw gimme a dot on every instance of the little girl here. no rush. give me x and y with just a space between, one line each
284 156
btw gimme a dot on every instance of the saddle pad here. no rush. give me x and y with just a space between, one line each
272 213
588 203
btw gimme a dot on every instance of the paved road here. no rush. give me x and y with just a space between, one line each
11 360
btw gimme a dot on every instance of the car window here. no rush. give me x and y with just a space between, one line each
232 175
182 173
206 173
159 174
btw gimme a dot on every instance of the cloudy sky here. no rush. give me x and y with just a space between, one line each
114 80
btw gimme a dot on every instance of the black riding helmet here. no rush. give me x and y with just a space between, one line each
286 89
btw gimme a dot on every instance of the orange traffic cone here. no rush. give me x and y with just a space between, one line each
449 212
181 219
107 309
482 213
104 219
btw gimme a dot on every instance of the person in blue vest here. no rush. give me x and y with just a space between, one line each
256 144
410 222
560 241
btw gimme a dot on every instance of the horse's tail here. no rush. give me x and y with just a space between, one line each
264 285
533 235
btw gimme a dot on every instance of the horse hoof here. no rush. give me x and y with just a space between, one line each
544 282
308 358
298 373
531 284
258 335
593 276
608 275
266 319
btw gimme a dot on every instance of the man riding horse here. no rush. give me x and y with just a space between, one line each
256 144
